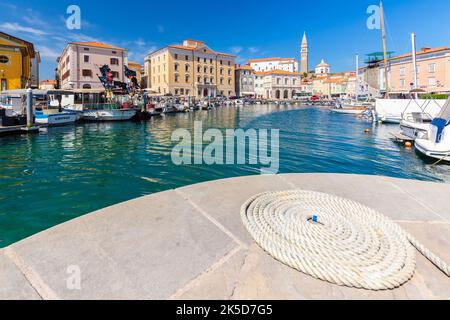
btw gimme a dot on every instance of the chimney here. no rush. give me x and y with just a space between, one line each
425 49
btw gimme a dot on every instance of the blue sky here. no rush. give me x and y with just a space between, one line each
251 29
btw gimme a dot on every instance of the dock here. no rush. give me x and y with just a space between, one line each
18 129
401 138
190 243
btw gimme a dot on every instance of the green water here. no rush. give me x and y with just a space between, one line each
54 176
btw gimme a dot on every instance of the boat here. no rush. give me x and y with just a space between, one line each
355 110
416 124
46 107
96 105
437 143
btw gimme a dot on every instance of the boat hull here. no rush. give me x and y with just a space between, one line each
432 150
57 119
108 115
414 130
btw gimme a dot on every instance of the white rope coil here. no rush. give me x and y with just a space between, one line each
349 245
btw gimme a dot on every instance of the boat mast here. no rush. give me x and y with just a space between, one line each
414 57
357 77
383 33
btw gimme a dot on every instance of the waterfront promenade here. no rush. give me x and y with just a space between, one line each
189 243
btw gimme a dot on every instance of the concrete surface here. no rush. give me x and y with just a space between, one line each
189 243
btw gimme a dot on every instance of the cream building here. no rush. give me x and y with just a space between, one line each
277 84
269 64
79 63
190 69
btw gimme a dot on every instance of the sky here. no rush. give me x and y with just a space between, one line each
336 30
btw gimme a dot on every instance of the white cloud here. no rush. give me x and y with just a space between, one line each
253 50
15 27
47 53
236 49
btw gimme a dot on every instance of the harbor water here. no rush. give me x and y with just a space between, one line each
62 173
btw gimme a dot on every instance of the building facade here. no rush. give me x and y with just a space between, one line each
19 63
433 72
277 84
270 64
191 69
245 81
79 63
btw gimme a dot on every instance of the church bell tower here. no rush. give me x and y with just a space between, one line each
304 55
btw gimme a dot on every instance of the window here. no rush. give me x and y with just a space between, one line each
115 61
199 79
432 68
186 58
221 71
198 59
176 92
176 56
221 62
229 81
205 69
402 83
286 81
114 52
87 86
4 59
87 73
86 59
187 92
176 78
86 49
210 60
432 82
211 80
229 72
229 63
115 74
186 78
204 60
176 66
182 91
211 70
403 71
278 80
186 67
198 69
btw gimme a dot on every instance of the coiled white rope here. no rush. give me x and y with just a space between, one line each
334 239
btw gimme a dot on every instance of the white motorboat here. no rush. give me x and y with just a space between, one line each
96 105
355 110
437 143
417 116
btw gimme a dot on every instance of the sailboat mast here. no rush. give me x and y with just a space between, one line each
383 33
414 57
357 77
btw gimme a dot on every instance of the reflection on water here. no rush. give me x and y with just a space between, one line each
54 176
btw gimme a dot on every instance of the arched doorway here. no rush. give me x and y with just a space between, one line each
286 94
277 94
205 92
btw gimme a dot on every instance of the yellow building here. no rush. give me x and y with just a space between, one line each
191 69
16 58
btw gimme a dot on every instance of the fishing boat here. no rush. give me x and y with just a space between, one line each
96 105
47 109
354 110
437 143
